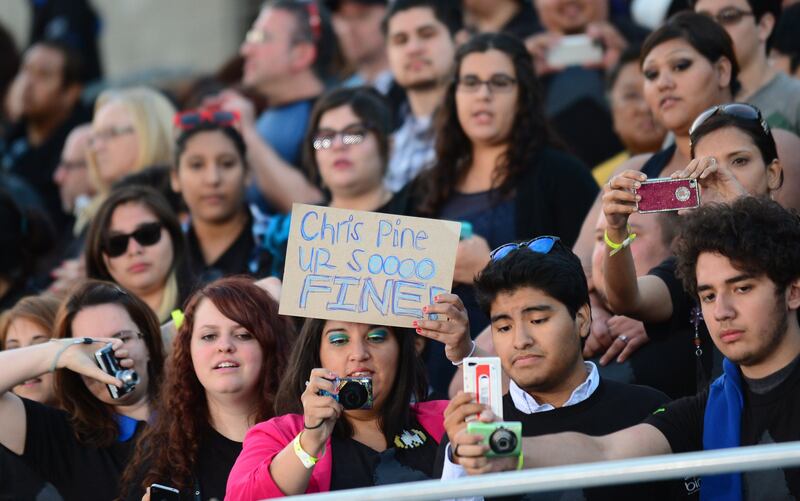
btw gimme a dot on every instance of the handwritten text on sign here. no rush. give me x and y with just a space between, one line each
364 266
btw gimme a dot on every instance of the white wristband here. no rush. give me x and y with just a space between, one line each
474 346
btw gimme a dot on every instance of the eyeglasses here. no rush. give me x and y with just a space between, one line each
730 16
127 336
541 245
187 120
110 133
739 110
351 135
498 83
146 235
71 166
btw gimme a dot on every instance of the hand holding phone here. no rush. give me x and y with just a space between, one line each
667 194
575 50
160 492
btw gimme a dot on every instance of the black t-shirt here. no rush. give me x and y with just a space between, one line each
78 471
410 458
215 458
770 417
612 407
234 261
19 482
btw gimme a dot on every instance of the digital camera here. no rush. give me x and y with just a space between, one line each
503 438
110 365
353 392
665 194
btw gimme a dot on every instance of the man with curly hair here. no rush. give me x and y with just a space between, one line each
743 262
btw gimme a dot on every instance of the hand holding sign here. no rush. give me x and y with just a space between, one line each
365 267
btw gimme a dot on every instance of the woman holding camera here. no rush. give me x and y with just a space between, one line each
328 441
83 448
229 355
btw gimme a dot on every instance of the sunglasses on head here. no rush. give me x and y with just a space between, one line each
146 235
187 120
541 245
739 110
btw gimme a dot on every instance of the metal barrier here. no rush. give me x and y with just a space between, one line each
759 457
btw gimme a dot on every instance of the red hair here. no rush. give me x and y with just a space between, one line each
168 449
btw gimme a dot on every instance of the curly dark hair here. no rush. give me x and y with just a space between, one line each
756 234
168 449
530 131
410 382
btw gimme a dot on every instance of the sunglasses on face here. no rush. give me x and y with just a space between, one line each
350 135
146 235
188 120
541 245
730 16
497 84
739 110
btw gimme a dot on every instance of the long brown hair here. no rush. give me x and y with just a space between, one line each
93 420
169 447
40 310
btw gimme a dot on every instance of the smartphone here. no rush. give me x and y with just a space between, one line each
160 492
575 50
666 194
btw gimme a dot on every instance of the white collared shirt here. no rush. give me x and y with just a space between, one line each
525 403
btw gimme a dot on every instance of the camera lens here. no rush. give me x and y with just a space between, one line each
128 377
502 441
353 395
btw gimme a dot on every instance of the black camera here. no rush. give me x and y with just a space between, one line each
503 438
354 392
110 365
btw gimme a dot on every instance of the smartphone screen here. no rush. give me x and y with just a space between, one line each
160 492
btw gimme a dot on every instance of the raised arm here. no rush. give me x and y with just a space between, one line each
22 364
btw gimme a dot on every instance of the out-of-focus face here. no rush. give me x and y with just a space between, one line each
24 332
211 177
745 315
737 151
420 49
680 84
747 35
268 61
111 320
72 175
570 16
633 120
141 268
41 82
487 116
114 143
358 28
648 249
359 350
348 169
226 357
783 62
537 340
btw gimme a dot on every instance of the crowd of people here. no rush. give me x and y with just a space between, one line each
151 223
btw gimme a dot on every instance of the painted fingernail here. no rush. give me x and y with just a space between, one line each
638 198
419 331
425 309
436 299
637 185
414 323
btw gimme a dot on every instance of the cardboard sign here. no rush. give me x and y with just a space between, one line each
365 267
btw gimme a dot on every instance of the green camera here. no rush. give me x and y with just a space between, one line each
503 438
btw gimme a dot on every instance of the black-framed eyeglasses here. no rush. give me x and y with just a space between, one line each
541 245
126 336
352 134
739 110
146 235
498 83
729 16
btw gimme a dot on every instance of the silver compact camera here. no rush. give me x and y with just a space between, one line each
110 365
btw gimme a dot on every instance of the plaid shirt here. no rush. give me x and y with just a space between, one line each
413 151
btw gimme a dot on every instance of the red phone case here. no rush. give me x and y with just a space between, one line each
666 194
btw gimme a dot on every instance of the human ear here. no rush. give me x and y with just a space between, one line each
583 320
774 175
765 26
174 182
793 294
724 71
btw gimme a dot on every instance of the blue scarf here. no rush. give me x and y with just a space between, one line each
722 425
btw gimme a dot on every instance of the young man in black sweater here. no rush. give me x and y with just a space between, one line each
743 262
537 299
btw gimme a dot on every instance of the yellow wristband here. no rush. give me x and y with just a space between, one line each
521 461
615 247
177 318
307 459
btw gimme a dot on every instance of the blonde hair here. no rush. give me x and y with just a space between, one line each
40 310
151 114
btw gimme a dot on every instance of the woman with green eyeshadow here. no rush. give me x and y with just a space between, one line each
352 409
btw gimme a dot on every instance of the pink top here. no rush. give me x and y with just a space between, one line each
250 478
